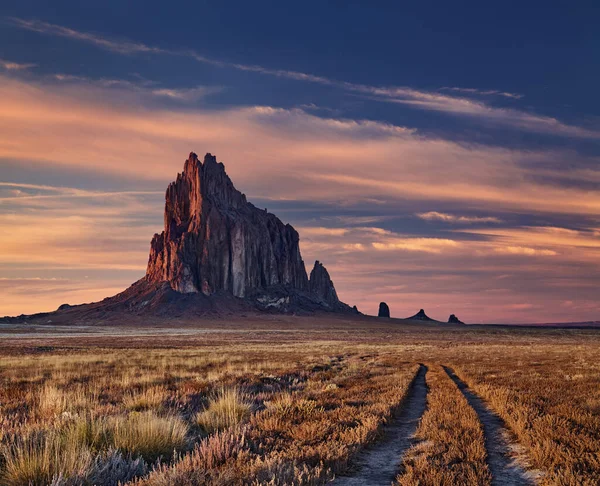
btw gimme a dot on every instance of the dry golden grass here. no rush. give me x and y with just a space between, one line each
148 398
545 401
227 408
76 413
452 448
36 458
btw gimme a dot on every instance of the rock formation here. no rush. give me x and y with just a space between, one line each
384 310
420 316
217 243
454 320
214 240
320 284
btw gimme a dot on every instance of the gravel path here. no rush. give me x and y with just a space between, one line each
504 467
378 465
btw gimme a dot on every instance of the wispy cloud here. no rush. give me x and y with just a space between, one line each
415 98
185 94
427 245
483 92
15 66
524 250
144 87
120 46
452 218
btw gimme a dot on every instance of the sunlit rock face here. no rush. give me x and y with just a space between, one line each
214 240
320 284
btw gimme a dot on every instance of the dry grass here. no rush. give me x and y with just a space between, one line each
452 448
36 458
227 408
302 437
149 435
76 413
148 398
546 409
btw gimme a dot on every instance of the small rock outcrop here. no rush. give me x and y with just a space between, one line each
214 240
384 310
320 284
420 316
454 320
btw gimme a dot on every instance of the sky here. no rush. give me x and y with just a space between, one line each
436 155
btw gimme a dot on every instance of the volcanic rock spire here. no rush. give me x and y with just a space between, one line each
384 310
214 240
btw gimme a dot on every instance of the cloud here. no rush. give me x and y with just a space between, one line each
488 92
184 94
15 66
544 236
523 250
143 87
451 218
415 98
122 46
90 128
427 245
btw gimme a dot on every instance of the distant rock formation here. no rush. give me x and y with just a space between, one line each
384 310
320 284
454 320
420 316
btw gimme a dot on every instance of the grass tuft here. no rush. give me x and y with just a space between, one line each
229 407
149 435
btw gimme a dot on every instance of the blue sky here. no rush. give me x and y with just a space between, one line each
439 155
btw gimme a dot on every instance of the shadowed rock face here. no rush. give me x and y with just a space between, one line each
214 240
384 310
320 284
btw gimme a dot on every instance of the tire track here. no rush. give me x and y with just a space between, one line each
504 468
378 465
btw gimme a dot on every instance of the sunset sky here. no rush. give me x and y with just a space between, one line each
430 156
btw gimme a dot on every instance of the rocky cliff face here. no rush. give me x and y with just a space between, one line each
320 284
214 240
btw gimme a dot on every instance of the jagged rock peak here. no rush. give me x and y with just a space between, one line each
454 320
421 316
214 240
384 310
321 285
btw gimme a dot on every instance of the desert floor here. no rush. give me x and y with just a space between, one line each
298 400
